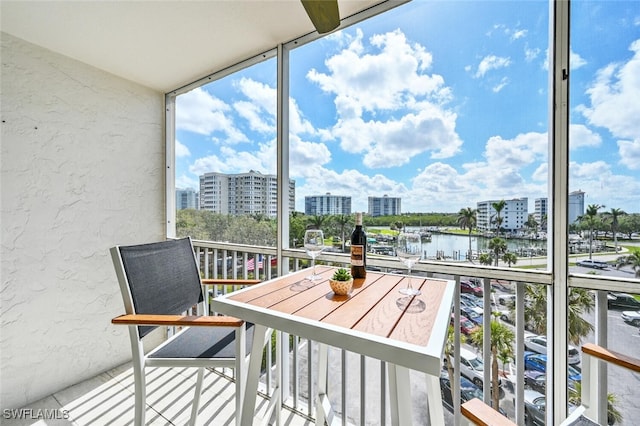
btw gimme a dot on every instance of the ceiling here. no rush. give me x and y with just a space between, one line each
161 44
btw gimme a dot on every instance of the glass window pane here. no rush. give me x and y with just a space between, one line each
225 148
604 211
405 106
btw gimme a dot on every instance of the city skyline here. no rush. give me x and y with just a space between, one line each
408 105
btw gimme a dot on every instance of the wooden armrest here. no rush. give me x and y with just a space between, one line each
612 357
184 320
228 281
481 414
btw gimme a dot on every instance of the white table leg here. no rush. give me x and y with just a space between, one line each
434 398
253 375
400 395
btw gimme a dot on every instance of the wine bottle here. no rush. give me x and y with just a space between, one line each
358 250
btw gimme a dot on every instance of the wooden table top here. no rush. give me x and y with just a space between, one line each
374 311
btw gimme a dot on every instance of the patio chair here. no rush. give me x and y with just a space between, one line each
160 282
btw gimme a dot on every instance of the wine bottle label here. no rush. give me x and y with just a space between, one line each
357 255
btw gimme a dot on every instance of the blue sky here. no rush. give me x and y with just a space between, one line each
443 104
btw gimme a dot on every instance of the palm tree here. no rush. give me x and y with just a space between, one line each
613 215
633 260
591 221
485 259
509 258
501 349
342 220
449 347
498 206
580 303
543 222
467 220
532 224
317 221
498 246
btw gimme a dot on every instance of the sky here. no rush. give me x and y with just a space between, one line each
441 103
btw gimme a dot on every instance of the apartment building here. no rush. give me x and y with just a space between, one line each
385 206
319 205
541 210
187 199
242 194
514 215
576 205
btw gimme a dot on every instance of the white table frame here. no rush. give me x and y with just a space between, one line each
399 355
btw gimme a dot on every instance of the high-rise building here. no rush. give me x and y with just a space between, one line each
319 205
187 199
242 194
541 211
384 206
576 205
514 215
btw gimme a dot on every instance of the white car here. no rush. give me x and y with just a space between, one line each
472 367
631 317
539 344
589 263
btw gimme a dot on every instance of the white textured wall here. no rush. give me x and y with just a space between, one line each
82 170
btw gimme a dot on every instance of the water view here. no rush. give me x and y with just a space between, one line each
455 247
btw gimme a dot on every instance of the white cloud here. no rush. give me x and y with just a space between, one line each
357 76
491 62
581 136
518 34
524 149
304 156
392 122
260 108
530 54
630 153
199 112
185 182
263 160
182 150
498 87
576 61
614 97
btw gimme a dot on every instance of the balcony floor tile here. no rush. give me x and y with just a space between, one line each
108 399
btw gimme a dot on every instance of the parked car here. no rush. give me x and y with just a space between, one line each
472 367
590 263
466 325
536 380
631 317
538 344
622 301
471 287
538 362
534 407
506 299
468 391
471 314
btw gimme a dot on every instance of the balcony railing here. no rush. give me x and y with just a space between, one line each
357 385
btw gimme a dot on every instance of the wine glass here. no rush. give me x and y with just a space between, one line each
409 251
313 244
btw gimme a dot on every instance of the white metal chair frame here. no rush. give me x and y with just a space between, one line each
141 360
